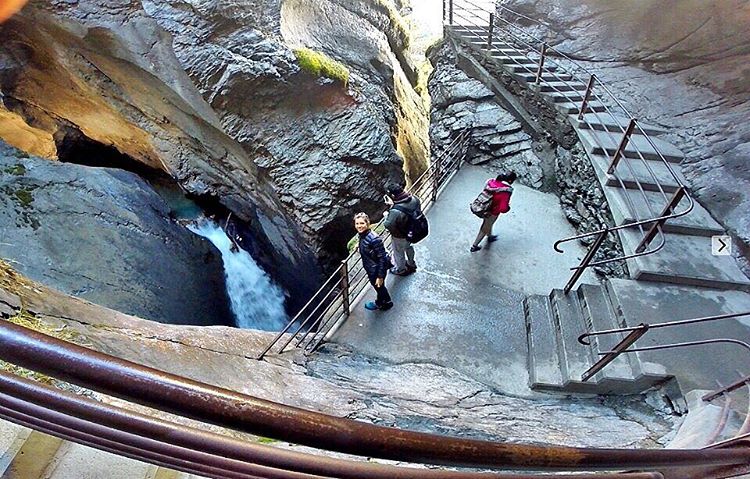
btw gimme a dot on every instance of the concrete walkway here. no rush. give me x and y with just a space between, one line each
464 310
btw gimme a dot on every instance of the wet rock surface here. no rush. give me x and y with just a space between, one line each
103 235
461 103
688 73
418 396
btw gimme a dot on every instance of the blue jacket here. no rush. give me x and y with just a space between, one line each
374 258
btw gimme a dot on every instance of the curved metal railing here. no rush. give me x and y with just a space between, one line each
195 450
561 75
331 304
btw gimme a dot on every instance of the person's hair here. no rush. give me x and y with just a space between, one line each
364 216
394 190
509 177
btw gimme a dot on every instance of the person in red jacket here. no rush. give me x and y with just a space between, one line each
501 190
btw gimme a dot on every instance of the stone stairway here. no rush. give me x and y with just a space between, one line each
556 360
682 280
642 183
28 454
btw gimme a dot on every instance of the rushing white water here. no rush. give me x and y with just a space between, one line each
257 303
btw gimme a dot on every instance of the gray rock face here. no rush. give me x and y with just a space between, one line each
211 94
681 65
327 148
103 235
461 103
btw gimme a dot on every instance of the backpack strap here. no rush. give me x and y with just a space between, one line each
403 210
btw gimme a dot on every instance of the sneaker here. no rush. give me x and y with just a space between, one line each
474 248
411 268
491 238
371 306
400 272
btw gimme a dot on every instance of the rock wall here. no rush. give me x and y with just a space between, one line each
461 103
103 235
681 64
212 94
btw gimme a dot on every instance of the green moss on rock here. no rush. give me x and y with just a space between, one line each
319 64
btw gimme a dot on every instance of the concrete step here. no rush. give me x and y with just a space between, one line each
575 358
12 439
641 174
698 222
531 67
597 142
542 360
564 96
559 86
694 367
684 259
546 77
614 123
599 316
569 108
33 458
513 59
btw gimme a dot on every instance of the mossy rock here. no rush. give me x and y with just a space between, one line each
321 65
18 170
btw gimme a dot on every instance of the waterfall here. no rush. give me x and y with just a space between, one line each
257 303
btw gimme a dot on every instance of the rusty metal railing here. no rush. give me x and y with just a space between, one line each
331 304
636 332
197 451
554 71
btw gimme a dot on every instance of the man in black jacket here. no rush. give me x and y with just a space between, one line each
397 222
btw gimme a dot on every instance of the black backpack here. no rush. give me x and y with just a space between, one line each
417 228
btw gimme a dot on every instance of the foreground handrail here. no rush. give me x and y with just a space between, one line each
131 433
211 404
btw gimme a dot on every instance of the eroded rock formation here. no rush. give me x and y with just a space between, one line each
211 94
105 236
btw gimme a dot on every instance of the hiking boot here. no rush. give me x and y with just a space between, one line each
400 272
491 238
386 306
411 268
474 248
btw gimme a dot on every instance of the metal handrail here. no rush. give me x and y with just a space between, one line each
427 186
636 332
210 404
681 322
656 220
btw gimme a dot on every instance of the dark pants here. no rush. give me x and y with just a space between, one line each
383 298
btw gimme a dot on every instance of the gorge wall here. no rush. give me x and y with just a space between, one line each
681 64
211 94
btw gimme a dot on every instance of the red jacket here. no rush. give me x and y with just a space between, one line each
500 196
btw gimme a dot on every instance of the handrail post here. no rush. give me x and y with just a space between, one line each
489 31
624 344
668 210
621 148
586 260
450 12
436 178
345 287
587 96
541 64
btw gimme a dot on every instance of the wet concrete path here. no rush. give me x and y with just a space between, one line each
464 310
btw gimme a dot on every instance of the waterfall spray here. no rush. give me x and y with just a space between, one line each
257 303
